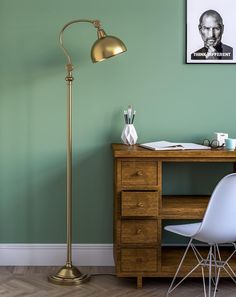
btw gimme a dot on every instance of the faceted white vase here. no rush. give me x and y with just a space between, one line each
129 135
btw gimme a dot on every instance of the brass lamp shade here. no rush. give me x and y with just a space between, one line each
106 47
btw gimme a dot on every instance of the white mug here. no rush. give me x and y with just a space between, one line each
230 144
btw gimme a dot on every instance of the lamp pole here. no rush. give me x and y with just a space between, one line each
104 47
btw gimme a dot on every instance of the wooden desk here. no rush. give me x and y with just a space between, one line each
140 208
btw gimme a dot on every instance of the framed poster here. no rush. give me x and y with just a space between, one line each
211 27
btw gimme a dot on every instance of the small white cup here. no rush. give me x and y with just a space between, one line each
230 144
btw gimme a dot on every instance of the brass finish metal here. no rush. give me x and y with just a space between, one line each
140 204
103 48
106 46
139 173
69 275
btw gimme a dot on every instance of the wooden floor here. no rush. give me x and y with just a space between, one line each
32 282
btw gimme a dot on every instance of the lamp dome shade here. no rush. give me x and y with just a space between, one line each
106 47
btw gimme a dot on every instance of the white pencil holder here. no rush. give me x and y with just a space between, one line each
129 135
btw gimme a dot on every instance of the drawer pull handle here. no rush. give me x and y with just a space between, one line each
140 204
139 173
138 231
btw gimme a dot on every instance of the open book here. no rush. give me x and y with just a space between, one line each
166 145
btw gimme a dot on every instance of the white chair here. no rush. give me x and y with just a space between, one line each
217 227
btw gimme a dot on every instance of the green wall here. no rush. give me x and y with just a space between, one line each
174 101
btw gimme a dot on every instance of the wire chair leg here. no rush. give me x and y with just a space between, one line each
210 267
216 282
217 277
215 265
225 266
203 280
228 268
212 261
177 271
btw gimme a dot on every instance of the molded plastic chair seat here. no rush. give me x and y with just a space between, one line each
218 226
187 230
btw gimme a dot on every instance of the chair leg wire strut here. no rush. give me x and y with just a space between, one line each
213 260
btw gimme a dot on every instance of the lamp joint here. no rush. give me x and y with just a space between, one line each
97 24
69 67
68 264
69 76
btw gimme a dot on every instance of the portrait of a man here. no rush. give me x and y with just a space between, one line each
211 29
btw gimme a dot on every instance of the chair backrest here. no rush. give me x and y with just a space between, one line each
219 222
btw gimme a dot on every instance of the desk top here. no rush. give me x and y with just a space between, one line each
135 151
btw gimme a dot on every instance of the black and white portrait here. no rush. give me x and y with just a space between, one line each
210 29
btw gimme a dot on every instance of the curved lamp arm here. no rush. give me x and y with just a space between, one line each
95 23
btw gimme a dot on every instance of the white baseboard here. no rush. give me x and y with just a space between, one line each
55 254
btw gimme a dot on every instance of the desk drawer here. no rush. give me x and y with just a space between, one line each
139 204
139 231
134 260
138 173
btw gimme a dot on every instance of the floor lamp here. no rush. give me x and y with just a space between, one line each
104 47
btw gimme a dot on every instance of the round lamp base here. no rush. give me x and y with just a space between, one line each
68 275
